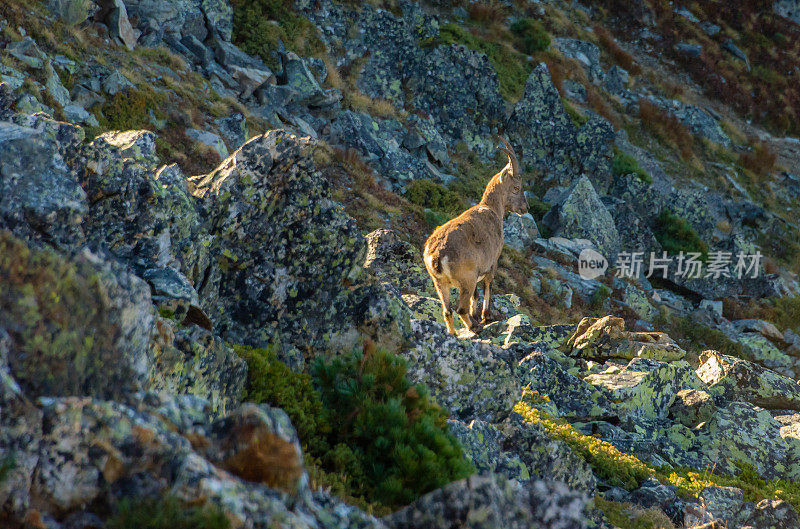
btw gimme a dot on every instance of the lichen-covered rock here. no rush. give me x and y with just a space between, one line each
725 505
379 142
773 514
483 444
646 388
137 145
653 493
519 231
79 326
488 502
397 262
471 380
587 53
286 261
572 396
548 139
691 407
741 432
765 328
737 379
39 198
424 308
579 213
137 212
193 361
547 458
606 337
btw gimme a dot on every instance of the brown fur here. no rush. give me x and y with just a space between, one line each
465 250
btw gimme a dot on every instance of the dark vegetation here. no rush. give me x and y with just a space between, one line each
531 35
260 24
165 513
363 423
676 235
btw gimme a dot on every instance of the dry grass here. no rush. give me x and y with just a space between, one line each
667 128
370 203
492 12
602 107
353 97
760 160
620 56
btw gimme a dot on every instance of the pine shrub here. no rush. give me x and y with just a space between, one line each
388 431
362 422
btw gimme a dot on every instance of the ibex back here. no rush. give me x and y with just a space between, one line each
465 250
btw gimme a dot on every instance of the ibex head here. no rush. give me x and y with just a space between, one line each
512 182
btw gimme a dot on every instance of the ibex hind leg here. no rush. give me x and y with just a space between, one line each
465 296
443 290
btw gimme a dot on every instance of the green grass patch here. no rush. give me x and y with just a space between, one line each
368 431
578 119
615 467
165 513
626 470
511 66
624 164
676 235
531 35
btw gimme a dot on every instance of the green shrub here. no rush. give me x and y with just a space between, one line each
270 381
676 235
165 513
531 34
787 311
390 444
625 164
428 194
130 109
511 66
255 30
388 432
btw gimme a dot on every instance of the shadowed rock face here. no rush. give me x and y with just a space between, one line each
283 254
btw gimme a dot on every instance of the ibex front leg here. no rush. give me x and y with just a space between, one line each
486 313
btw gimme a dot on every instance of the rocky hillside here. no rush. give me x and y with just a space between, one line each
214 312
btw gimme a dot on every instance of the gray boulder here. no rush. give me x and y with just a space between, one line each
471 380
580 214
40 199
519 231
586 53
488 502
86 326
281 253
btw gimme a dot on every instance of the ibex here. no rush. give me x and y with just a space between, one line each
465 250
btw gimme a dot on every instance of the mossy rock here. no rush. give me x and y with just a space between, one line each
79 326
